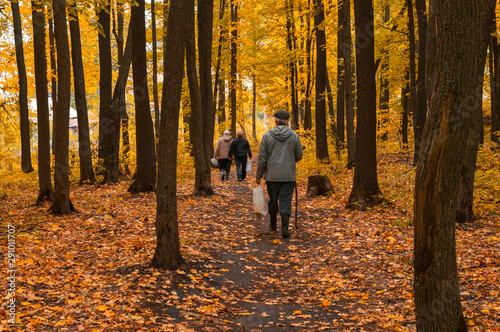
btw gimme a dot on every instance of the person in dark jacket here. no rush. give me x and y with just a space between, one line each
280 149
240 148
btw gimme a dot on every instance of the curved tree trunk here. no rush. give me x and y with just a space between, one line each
84 151
42 103
145 179
202 184
454 122
62 203
365 187
167 252
23 91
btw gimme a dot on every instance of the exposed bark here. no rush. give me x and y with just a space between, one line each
413 85
202 183
420 104
292 66
321 140
155 73
42 102
105 81
23 90
404 114
384 85
454 122
495 92
205 31
218 80
309 66
84 150
232 85
365 189
145 179
167 252
222 104
341 46
349 86
62 203
53 73
118 108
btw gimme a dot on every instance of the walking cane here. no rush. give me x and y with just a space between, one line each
296 205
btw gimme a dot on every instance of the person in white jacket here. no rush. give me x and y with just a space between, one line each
279 150
222 154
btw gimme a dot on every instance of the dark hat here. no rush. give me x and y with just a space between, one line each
281 114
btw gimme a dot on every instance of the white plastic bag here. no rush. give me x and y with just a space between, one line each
249 167
259 202
213 161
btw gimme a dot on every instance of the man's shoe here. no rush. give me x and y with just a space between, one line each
285 220
272 223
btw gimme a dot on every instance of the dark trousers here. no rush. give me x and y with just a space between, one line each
241 166
225 166
280 197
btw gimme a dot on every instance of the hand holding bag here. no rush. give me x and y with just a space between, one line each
249 167
259 202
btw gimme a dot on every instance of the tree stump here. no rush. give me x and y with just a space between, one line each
319 185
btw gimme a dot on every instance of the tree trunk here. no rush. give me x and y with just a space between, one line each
222 105
205 31
319 185
404 114
217 80
454 122
23 91
118 108
495 95
349 86
145 179
331 111
42 102
167 252
341 49
232 86
420 104
155 73
291 63
321 140
309 66
53 73
202 183
254 108
84 151
384 85
62 203
430 52
105 81
413 84
365 187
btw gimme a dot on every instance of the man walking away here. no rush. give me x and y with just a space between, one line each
240 148
280 149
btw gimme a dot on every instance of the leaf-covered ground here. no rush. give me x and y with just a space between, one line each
341 270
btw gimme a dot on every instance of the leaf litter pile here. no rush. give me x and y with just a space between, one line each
341 270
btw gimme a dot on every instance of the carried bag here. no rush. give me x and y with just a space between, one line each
259 202
249 167
213 161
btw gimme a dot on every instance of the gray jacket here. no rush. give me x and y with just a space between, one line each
279 150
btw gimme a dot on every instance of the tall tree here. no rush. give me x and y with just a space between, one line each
321 139
23 90
309 66
42 102
384 83
218 69
254 107
234 51
202 184
454 122
105 78
53 72
205 31
420 110
341 26
167 252
495 89
155 72
292 66
62 203
145 178
84 151
365 185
